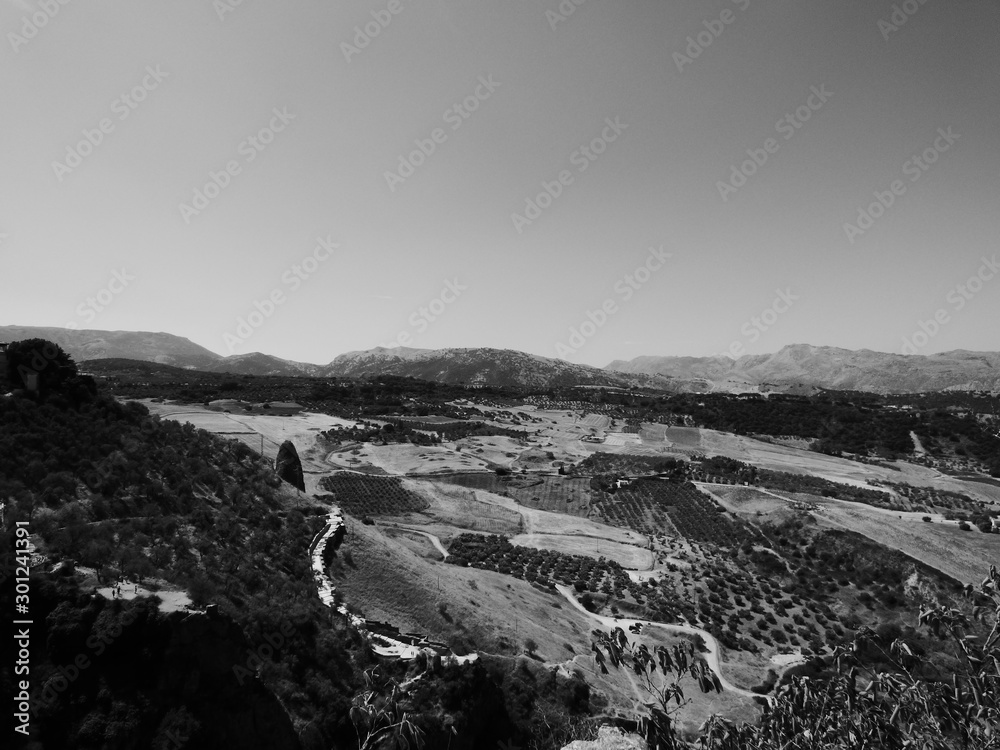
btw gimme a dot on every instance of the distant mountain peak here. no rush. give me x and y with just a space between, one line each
794 368
806 367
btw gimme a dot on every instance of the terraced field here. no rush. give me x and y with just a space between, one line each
678 508
362 495
558 494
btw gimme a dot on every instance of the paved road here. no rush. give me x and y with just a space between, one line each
712 657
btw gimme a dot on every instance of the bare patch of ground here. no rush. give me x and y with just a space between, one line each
406 458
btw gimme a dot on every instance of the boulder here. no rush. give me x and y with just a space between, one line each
289 467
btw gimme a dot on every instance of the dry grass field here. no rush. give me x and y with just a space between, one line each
965 555
746 500
451 505
684 437
595 421
499 450
405 458
653 434
479 510
557 494
418 544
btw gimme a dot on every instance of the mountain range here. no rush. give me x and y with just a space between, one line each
798 368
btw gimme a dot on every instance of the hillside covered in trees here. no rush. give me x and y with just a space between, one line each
111 494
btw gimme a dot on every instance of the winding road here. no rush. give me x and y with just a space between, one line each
434 539
712 658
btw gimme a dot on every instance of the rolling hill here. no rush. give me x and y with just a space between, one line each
798 368
501 367
805 367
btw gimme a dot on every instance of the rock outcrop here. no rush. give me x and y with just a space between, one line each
609 738
289 467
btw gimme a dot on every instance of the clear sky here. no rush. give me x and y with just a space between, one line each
437 150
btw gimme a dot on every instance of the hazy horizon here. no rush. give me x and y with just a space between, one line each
325 361
616 181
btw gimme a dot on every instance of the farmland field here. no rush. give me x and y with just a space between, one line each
557 494
360 494
596 421
745 499
626 555
636 509
404 458
684 437
622 438
477 481
653 433
961 554
657 507
461 508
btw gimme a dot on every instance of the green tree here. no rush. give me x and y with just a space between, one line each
664 688
37 361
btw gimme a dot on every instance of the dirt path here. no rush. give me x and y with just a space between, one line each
435 540
170 600
712 657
